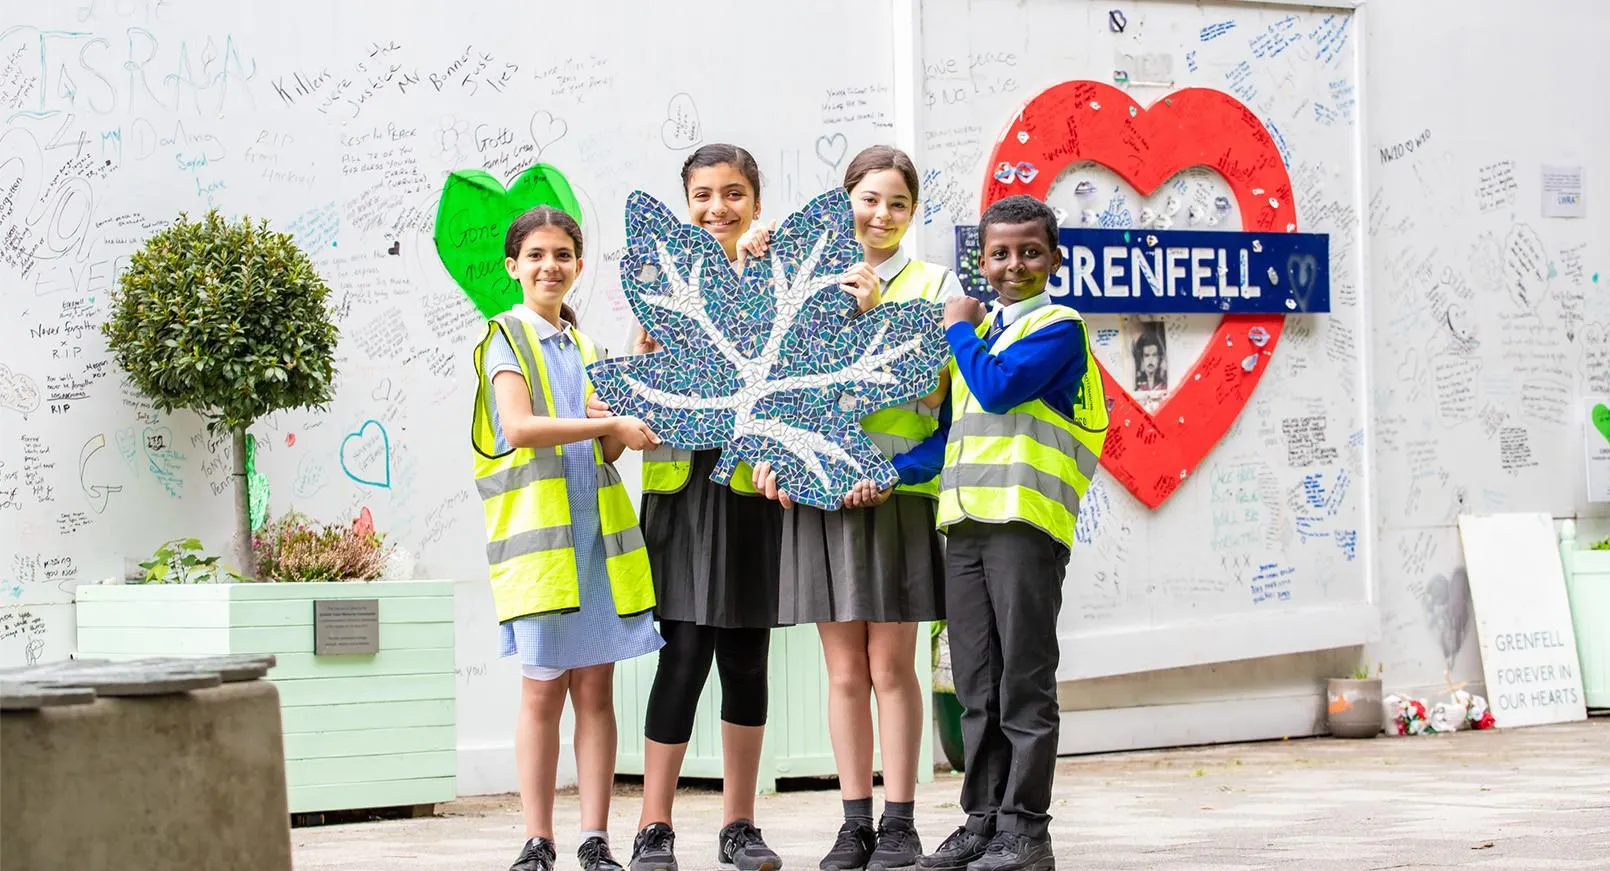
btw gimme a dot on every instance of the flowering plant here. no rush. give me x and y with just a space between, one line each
294 548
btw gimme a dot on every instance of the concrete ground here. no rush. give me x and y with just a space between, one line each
1534 798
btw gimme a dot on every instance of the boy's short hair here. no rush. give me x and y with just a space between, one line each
1020 209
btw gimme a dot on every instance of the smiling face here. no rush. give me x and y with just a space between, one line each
546 268
882 205
1017 259
721 200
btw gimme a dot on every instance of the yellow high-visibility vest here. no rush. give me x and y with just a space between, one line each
900 428
526 503
667 470
1030 464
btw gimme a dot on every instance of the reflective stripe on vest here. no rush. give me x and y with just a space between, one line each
526 503
900 428
1030 464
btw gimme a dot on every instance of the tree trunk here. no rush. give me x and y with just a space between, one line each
245 559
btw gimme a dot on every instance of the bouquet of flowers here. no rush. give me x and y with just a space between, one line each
1463 710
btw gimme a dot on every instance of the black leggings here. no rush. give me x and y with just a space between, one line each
673 701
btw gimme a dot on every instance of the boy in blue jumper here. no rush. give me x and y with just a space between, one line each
1028 418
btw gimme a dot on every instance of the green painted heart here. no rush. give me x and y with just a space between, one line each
1601 420
474 216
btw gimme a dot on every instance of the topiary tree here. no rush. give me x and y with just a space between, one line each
229 321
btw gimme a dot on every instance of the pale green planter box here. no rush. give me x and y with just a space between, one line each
1587 583
797 742
361 731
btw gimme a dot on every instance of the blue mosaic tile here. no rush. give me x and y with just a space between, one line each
771 365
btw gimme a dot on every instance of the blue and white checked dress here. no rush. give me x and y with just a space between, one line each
595 634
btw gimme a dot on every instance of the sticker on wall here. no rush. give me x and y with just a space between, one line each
474 216
1149 349
1152 453
768 365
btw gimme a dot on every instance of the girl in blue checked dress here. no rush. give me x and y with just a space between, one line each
570 575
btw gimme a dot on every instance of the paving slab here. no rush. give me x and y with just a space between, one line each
1534 798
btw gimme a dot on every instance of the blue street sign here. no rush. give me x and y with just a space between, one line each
1177 271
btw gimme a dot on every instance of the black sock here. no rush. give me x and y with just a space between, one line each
858 810
900 810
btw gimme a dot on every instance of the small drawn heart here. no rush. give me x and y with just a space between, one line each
546 129
681 127
351 455
1302 270
395 249
382 391
158 441
17 391
831 149
127 446
475 213
162 459
1601 420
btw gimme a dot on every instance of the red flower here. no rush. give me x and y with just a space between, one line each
1419 709
1486 721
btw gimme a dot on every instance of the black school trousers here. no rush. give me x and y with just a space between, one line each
1003 589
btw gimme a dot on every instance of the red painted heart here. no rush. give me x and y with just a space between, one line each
1091 121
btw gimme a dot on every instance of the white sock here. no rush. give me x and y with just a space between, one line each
595 833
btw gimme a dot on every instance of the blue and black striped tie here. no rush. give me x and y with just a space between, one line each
995 327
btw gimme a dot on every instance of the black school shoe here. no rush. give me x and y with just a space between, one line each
851 849
538 855
595 856
1010 851
956 853
741 849
898 847
654 849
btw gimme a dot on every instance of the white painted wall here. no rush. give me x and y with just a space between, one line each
121 112
1486 95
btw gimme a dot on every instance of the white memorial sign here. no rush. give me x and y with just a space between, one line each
1523 619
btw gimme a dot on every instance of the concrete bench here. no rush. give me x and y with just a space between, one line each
158 763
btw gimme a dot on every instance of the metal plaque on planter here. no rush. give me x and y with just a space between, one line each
346 626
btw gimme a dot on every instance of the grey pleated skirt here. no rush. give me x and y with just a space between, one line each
882 565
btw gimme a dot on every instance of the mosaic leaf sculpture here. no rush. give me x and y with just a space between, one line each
771 364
